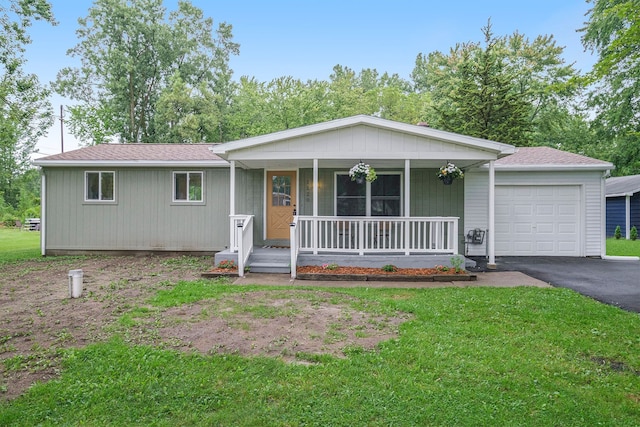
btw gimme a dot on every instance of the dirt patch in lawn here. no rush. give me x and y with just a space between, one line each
38 320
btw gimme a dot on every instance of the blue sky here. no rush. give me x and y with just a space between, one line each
305 39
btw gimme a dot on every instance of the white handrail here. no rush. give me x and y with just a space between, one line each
244 240
377 234
293 244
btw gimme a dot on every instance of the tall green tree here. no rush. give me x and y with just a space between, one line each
25 112
503 88
131 52
613 33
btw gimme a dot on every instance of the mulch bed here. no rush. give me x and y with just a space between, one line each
313 272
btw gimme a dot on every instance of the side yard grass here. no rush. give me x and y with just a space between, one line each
623 247
470 356
18 245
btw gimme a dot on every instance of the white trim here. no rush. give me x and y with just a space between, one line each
187 201
99 199
131 163
620 195
232 188
628 216
551 168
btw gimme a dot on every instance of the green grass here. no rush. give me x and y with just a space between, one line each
470 356
16 245
623 247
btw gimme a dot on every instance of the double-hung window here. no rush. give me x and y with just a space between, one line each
382 197
188 186
99 186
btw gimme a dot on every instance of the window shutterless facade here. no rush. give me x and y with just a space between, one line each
188 186
382 197
99 186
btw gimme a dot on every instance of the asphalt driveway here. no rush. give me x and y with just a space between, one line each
612 282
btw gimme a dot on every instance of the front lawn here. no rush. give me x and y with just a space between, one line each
468 357
18 245
623 247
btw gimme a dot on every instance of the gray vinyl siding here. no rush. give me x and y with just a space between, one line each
430 197
143 216
591 182
250 199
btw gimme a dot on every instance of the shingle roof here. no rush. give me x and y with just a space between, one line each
623 185
547 156
138 152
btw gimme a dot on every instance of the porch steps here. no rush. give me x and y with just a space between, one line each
270 260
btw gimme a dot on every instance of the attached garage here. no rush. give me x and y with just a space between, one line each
547 203
538 220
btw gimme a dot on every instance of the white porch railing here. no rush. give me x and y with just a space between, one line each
242 239
376 234
295 249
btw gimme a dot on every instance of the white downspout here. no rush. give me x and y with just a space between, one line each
492 215
43 214
627 214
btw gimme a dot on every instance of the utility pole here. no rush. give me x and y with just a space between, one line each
62 128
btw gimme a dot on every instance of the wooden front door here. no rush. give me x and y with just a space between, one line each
281 202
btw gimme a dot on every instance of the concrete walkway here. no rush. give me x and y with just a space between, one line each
503 279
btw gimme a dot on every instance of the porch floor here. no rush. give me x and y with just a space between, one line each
266 259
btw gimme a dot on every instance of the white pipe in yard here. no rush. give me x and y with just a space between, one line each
75 283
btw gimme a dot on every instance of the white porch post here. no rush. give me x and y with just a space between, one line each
232 202
314 224
407 204
315 187
43 214
492 215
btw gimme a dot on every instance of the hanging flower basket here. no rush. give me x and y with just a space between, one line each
449 172
362 172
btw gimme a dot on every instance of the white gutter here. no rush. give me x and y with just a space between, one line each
132 163
622 194
550 168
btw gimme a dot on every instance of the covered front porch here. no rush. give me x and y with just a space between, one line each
292 189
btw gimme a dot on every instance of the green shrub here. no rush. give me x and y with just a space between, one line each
389 268
633 235
9 220
618 233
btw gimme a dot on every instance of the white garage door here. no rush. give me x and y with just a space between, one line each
538 220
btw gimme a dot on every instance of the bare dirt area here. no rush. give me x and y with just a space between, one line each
38 319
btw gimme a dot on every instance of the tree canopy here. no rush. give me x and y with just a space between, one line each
613 33
25 112
136 58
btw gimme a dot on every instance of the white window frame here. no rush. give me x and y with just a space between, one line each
188 173
367 192
100 198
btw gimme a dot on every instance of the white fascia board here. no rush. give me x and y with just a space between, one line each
132 163
620 195
298 155
549 168
497 147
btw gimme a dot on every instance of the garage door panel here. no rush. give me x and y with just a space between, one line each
538 220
